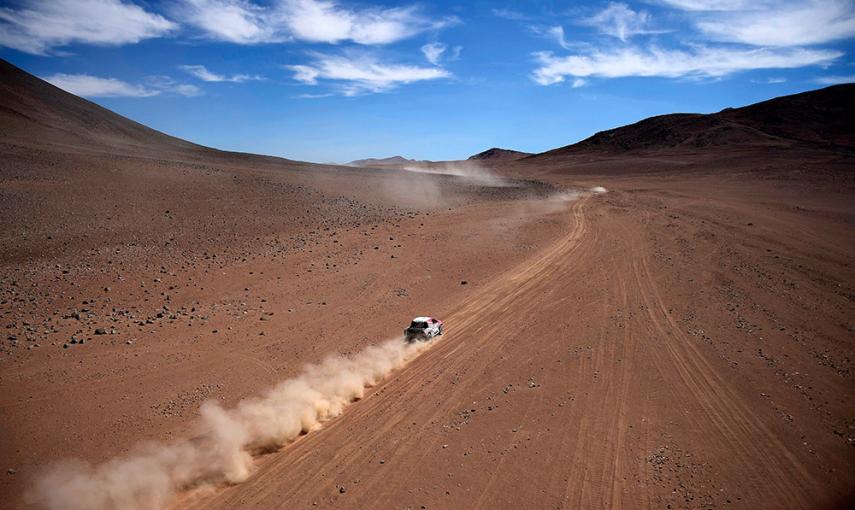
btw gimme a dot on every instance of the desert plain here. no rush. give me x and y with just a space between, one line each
658 317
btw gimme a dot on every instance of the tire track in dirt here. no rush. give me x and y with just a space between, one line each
732 424
473 330
641 380
605 465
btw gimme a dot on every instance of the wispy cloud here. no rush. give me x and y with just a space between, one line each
618 20
236 21
360 74
202 72
165 84
737 35
711 5
510 14
245 22
835 80
44 25
770 81
320 21
700 61
556 33
433 52
315 96
93 86
783 24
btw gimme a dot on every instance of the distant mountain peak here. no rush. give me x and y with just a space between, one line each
393 160
497 153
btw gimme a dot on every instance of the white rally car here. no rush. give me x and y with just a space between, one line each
423 328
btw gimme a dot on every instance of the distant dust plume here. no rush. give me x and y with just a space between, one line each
226 439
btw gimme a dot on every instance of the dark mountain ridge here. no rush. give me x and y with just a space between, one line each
819 118
497 153
390 161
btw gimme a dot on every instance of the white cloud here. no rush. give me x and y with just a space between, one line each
618 20
357 75
236 21
759 34
185 89
701 61
784 24
44 25
306 74
92 86
321 21
510 14
314 96
245 22
202 72
433 52
557 33
770 81
170 86
834 80
711 5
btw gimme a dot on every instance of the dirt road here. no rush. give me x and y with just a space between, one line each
568 381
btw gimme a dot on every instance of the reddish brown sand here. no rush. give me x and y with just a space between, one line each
684 340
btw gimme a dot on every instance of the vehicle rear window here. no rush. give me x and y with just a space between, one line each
419 325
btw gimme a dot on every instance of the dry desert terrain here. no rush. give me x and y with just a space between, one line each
682 340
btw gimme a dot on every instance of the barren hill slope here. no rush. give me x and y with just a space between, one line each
34 110
497 153
819 118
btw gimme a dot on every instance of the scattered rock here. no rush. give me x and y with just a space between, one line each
464 282
100 331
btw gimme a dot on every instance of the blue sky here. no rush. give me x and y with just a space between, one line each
335 81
